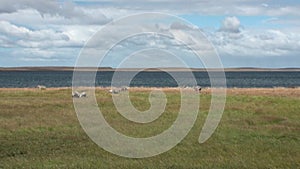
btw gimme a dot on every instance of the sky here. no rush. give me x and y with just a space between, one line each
245 33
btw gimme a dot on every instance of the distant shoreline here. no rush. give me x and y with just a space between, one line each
277 91
108 69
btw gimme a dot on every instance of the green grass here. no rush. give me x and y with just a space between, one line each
39 129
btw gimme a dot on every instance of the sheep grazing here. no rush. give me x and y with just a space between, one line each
197 89
78 95
114 91
124 89
118 90
41 87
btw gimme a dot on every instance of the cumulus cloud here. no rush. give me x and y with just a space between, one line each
19 36
49 6
67 10
54 30
26 34
231 24
264 43
212 7
71 9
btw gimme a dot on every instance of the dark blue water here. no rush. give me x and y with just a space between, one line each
150 79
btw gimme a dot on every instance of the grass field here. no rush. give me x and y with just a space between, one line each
260 128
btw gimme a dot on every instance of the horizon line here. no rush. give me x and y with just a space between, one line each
71 68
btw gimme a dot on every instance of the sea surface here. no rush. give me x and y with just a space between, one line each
252 79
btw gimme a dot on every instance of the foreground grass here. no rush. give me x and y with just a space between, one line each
39 129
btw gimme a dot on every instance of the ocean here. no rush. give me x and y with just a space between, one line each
251 79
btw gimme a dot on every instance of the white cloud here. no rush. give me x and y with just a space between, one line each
24 37
26 34
231 24
204 7
45 56
263 43
51 29
49 9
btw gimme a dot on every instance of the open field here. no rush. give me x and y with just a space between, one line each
260 128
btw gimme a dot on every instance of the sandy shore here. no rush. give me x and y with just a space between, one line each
279 91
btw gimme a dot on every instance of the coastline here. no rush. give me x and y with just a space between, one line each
276 91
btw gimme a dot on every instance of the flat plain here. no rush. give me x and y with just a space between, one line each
260 128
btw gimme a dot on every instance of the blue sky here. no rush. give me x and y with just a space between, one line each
247 33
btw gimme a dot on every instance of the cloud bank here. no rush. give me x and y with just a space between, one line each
52 32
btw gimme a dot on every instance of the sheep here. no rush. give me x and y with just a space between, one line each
124 89
78 95
118 90
114 91
41 87
197 89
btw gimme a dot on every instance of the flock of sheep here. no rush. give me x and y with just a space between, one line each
77 94
122 89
